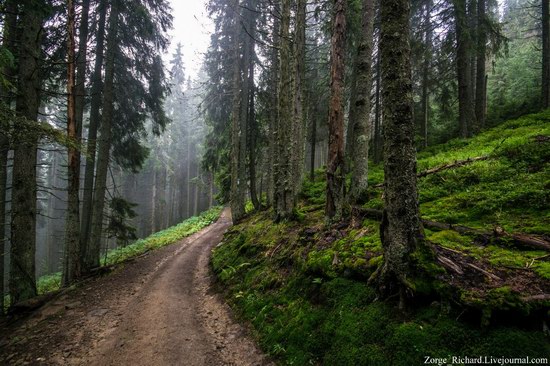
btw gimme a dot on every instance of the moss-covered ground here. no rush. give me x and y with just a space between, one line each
303 286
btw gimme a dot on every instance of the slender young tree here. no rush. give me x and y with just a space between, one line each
401 231
335 166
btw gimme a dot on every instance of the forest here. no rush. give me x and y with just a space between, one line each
336 182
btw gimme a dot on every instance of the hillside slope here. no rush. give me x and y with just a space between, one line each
304 288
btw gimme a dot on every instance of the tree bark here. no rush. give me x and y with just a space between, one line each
104 146
23 229
378 148
465 98
81 62
313 135
10 23
545 54
274 110
298 135
335 178
237 183
86 256
284 200
481 87
428 37
361 131
252 134
401 230
71 268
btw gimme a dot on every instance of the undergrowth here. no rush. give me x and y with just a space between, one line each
304 288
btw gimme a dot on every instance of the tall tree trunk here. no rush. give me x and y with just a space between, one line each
71 268
104 146
189 152
252 132
361 133
465 101
284 200
210 189
313 134
274 110
251 107
481 88
335 178
197 196
23 229
428 49
81 62
378 148
472 33
401 230
237 183
10 24
86 255
545 54
154 199
298 135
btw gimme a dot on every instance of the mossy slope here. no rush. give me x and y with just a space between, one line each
304 287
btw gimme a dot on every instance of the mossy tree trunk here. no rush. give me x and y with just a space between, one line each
10 23
284 200
401 230
361 127
237 194
335 166
23 208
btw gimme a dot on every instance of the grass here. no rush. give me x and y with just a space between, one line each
52 282
163 238
304 288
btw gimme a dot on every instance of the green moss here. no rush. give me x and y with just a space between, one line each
305 292
543 269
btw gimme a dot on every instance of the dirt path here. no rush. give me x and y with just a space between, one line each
158 310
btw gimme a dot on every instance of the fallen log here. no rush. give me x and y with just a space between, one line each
480 236
455 164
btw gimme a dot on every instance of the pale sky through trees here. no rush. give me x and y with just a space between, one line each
192 28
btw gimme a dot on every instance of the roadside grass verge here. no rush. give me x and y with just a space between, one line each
52 282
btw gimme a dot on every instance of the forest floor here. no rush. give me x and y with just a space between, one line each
159 309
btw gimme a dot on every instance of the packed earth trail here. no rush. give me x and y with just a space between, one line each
158 310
